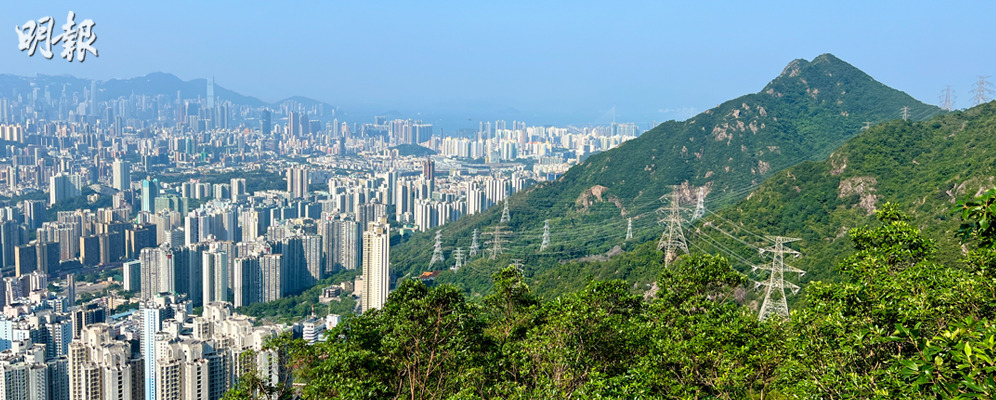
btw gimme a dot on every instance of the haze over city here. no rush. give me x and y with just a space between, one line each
457 63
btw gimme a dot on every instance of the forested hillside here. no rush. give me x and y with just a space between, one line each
805 113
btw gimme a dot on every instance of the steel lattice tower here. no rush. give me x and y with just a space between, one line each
699 204
629 228
497 245
504 213
458 255
905 113
947 98
474 246
546 235
673 238
437 249
982 91
774 295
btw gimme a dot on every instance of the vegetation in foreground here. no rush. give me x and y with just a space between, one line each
898 325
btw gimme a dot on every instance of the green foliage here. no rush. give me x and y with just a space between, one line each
296 308
897 324
806 113
958 363
251 385
413 150
979 218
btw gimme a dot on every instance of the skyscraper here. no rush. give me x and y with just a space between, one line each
266 123
100 366
154 312
121 175
292 124
150 190
238 188
62 187
297 181
247 281
34 213
376 264
428 169
215 276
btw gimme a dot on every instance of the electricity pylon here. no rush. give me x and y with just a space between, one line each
699 204
982 91
497 245
947 98
546 235
474 246
629 228
905 113
774 295
458 255
673 239
437 249
504 213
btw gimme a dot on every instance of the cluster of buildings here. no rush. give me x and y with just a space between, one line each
169 204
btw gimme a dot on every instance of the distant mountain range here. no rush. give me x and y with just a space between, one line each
809 110
154 84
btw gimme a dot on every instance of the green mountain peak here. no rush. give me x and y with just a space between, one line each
805 113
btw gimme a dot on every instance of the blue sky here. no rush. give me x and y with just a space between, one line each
539 61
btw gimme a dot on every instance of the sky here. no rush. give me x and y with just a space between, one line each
543 62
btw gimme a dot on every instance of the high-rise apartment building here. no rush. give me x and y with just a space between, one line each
121 175
376 264
297 182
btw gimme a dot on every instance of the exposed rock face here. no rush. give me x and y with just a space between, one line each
864 187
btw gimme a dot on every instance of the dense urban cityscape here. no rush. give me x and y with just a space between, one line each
135 226
496 200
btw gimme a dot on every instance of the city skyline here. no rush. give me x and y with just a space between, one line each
547 64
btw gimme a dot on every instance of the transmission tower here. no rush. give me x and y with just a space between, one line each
699 204
496 242
437 249
474 246
546 235
774 295
504 213
517 263
673 238
867 126
905 113
629 228
947 98
982 91
458 255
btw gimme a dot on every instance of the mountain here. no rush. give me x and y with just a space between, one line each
923 167
805 113
159 83
154 84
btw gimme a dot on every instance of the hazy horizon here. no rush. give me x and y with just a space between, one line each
550 63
